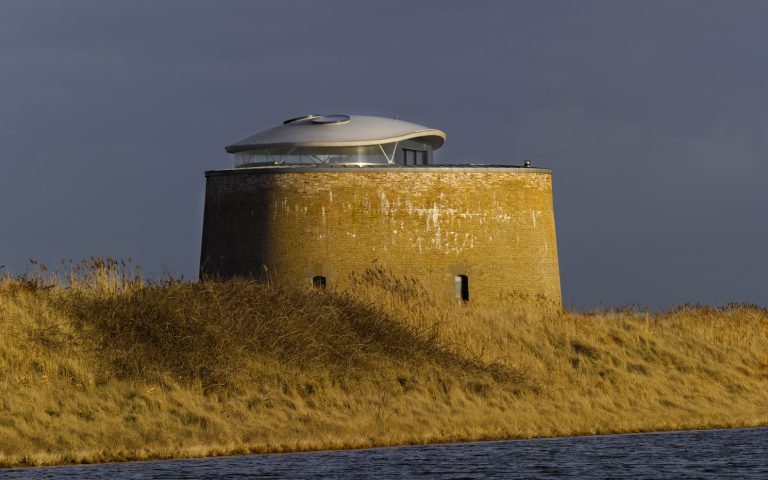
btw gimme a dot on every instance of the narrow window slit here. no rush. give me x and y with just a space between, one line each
462 288
319 282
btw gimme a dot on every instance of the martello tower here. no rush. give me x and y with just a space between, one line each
321 197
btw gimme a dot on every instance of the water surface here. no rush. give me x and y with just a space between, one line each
739 453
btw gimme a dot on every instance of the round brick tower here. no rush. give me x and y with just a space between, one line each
323 197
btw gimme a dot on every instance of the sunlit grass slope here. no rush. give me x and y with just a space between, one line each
103 367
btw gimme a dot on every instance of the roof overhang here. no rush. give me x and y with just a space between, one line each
359 131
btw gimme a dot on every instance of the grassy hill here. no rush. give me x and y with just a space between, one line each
99 366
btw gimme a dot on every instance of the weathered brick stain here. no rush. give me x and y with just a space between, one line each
495 227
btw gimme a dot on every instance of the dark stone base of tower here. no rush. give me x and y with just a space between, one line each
486 234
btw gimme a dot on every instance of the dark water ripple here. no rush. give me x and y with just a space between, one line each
696 454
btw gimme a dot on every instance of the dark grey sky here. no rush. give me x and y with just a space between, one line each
653 116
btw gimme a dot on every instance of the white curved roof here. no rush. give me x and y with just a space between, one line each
345 131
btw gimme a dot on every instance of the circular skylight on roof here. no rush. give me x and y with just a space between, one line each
304 117
330 119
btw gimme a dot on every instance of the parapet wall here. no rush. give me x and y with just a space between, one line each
494 225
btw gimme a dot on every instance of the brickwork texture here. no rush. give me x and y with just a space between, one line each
495 227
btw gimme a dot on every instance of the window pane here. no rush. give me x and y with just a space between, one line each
370 154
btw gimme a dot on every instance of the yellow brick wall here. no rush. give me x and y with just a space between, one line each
496 227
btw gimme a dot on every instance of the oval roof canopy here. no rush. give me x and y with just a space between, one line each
338 131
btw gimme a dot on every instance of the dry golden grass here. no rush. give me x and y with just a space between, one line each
97 366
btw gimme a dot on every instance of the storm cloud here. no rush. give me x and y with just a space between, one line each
652 115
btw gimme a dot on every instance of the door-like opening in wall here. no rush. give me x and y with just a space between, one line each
414 157
319 281
462 288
